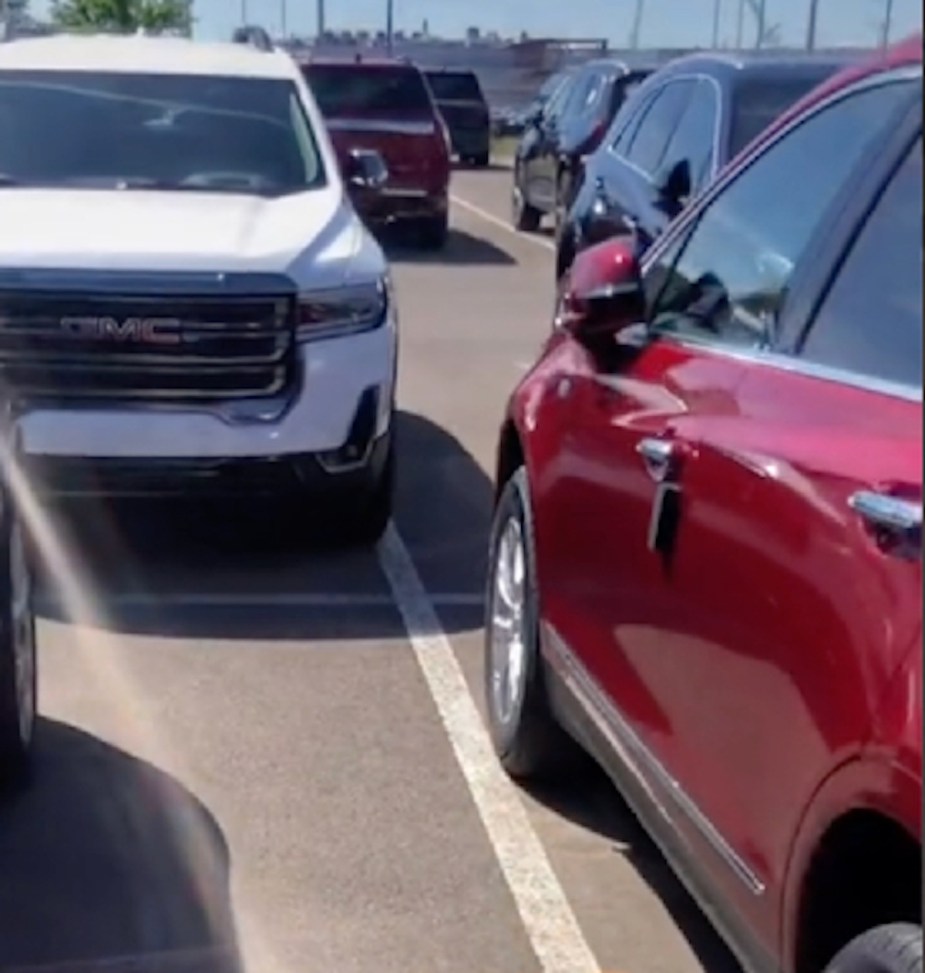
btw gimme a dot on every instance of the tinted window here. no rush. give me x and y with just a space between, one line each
580 95
162 131
757 103
594 96
628 119
658 125
693 139
560 96
341 89
733 272
454 86
871 320
550 86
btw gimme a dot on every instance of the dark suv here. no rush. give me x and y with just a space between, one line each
462 103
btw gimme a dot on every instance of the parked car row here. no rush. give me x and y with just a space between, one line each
619 152
562 129
705 562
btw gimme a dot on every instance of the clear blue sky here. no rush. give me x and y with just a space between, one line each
666 23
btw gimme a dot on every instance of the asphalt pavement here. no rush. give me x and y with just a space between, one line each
257 756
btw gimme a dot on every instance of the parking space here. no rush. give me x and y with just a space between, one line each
260 756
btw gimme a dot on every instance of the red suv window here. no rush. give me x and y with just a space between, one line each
345 89
871 321
728 279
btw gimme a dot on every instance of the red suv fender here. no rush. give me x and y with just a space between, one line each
884 776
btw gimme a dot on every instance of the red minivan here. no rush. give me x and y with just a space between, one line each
386 106
706 555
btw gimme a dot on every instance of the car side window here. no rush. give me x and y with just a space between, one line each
658 124
628 119
578 97
593 97
556 101
729 278
870 322
693 139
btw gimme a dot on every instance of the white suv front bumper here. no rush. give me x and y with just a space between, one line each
335 374
156 450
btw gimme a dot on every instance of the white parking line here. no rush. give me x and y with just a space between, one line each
544 909
495 221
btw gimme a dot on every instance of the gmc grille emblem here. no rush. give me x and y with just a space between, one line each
153 331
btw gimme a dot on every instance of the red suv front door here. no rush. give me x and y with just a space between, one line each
732 594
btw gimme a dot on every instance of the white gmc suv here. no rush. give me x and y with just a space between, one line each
188 300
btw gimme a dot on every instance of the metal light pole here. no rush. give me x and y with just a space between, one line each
887 23
740 25
322 27
282 18
244 19
761 14
636 31
717 16
389 23
811 25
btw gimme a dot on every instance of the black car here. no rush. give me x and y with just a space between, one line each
567 126
671 138
462 104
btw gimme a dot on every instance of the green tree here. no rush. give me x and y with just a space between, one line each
122 15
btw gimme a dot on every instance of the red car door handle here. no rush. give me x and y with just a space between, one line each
892 519
658 455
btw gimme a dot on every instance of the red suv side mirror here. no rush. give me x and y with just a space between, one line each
602 294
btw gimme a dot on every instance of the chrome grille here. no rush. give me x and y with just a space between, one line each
145 346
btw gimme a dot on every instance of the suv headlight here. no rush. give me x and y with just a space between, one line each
342 310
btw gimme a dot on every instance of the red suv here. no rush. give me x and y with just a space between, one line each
386 106
706 556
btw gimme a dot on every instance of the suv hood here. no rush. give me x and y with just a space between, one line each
165 231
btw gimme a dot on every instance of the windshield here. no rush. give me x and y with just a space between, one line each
344 89
759 102
454 86
155 131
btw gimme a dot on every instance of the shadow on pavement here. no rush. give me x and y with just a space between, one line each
462 249
591 801
108 863
195 571
444 509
